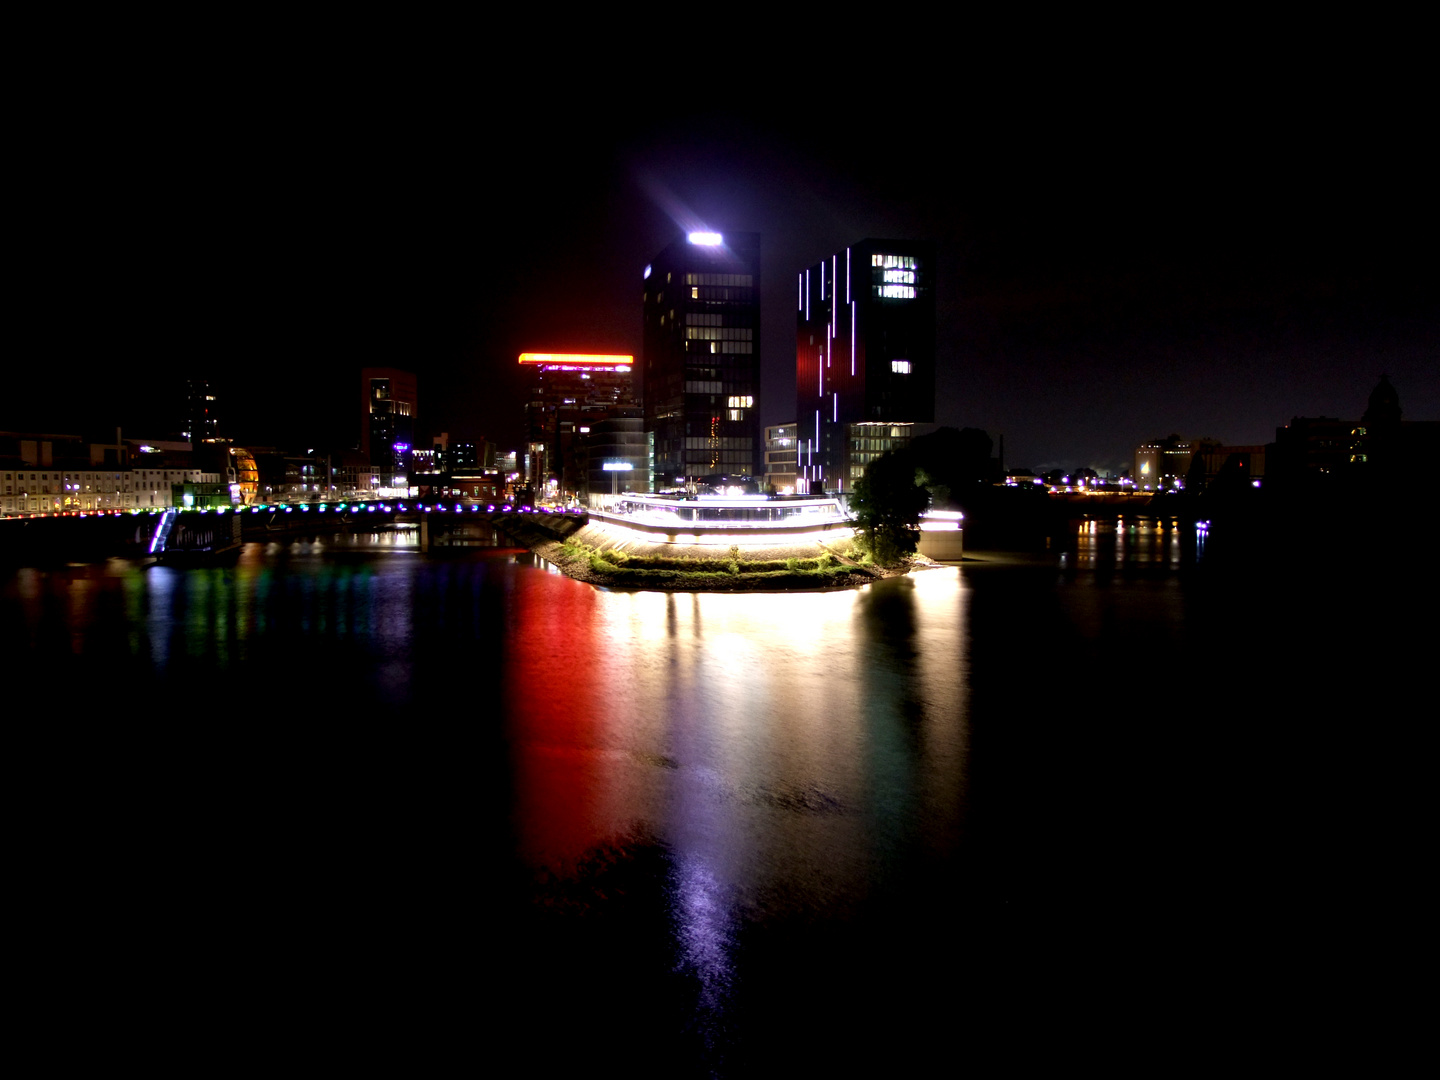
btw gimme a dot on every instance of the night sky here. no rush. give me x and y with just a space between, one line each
1127 247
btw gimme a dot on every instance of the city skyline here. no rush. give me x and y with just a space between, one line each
1113 267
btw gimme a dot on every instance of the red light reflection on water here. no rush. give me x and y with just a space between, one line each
554 730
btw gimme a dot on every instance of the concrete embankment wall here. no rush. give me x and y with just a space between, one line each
74 539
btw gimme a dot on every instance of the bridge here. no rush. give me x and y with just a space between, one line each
174 532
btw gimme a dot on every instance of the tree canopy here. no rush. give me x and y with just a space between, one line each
940 469
887 504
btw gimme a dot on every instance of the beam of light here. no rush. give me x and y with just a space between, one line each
685 219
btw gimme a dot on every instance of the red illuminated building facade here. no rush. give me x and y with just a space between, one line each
864 358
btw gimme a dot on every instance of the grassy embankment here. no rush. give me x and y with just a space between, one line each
729 571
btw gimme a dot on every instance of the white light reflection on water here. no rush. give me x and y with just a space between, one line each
785 748
1131 542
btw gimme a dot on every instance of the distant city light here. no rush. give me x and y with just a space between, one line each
709 239
647 271
617 466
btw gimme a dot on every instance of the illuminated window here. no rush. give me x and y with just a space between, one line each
901 366
695 293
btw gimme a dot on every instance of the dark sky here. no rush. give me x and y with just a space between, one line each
1127 248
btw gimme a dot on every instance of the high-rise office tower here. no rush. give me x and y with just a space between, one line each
389 404
701 366
570 394
198 421
864 358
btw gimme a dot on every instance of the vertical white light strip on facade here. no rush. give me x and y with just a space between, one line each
852 337
822 281
834 269
807 295
847 276
835 399
801 298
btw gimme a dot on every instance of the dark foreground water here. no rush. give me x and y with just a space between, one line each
345 799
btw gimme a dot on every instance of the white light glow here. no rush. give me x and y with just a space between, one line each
708 239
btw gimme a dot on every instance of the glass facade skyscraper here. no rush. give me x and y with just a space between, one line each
701 363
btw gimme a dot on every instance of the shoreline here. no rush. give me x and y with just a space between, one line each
574 549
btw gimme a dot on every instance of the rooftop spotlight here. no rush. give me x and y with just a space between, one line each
709 239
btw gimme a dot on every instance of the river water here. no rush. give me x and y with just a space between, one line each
1102 793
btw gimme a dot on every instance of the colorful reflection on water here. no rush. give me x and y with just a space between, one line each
706 822
771 740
